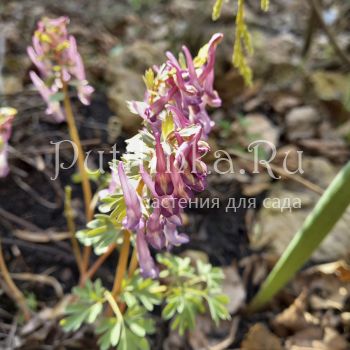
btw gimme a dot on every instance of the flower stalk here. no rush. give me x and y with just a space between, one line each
13 291
122 264
55 54
133 262
121 268
98 263
68 211
73 132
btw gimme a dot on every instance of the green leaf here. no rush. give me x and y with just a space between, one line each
169 310
189 290
86 308
100 233
115 333
137 329
147 292
110 330
126 333
110 203
218 307
94 311
74 322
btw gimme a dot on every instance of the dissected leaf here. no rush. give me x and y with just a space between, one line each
86 308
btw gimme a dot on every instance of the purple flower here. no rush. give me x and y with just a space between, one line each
132 202
163 184
167 204
147 265
176 121
172 236
155 230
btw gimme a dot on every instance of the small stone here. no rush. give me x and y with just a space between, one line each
302 123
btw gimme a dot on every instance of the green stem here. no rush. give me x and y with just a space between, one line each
317 225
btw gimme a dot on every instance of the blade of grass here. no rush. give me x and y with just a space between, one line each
317 225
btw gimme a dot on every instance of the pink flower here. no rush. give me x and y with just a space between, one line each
53 107
7 115
55 54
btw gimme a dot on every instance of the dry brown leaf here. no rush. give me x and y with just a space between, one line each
282 102
329 339
234 289
295 317
260 338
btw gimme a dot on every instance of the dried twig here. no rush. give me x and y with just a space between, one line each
17 220
11 288
231 337
329 32
45 279
41 237
35 195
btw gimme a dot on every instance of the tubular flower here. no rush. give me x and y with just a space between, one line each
55 54
7 115
132 203
165 157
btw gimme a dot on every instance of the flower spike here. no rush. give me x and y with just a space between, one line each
55 54
170 169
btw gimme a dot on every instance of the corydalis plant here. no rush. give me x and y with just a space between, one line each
7 115
143 205
55 54
162 169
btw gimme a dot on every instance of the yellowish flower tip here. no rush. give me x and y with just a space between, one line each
265 5
182 61
217 9
168 125
56 68
148 78
44 38
202 56
6 112
62 46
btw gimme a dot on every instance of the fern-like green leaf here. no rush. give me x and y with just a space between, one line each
87 307
100 233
